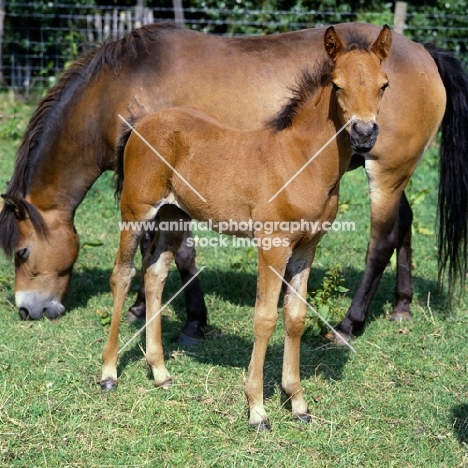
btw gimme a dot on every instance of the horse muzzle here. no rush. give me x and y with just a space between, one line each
34 306
363 135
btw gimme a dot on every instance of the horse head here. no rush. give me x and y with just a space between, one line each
44 253
359 83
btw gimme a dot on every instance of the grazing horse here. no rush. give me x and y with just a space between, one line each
183 159
71 138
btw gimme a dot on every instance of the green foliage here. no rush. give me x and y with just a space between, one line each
327 301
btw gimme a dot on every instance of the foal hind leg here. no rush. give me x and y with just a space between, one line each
120 284
294 314
155 278
403 290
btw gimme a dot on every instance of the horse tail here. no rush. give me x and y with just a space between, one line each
125 133
453 171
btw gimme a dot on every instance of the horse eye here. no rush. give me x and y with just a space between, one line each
335 87
23 254
384 87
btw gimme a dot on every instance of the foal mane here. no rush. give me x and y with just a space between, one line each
110 55
310 81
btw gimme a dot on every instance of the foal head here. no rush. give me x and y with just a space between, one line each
359 83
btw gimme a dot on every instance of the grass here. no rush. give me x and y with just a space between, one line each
401 400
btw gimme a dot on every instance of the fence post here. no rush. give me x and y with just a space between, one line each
400 17
2 19
178 12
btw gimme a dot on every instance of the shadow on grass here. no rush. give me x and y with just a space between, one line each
459 422
239 288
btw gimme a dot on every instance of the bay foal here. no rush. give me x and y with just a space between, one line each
182 163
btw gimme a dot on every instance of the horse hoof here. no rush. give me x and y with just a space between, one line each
132 318
136 312
399 316
264 426
304 418
186 340
108 384
338 338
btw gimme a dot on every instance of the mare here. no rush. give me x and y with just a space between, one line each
71 139
171 164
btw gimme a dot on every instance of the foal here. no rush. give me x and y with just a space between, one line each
182 162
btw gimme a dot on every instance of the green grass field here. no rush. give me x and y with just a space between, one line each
401 400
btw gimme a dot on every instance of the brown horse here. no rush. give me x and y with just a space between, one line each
184 158
71 140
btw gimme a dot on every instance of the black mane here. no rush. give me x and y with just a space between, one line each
310 81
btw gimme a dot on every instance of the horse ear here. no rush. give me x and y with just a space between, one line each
332 42
16 205
381 47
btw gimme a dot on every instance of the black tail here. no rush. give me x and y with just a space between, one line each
453 169
119 155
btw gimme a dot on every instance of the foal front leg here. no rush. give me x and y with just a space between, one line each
120 284
265 318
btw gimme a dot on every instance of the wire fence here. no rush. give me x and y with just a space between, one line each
38 43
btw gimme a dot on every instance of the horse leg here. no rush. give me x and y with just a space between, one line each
387 186
403 290
265 318
138 310
192 332
155 278
120 284
294 314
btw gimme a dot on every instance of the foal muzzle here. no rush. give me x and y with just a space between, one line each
363 135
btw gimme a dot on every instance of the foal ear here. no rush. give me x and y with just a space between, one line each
16 205
381 47
332 43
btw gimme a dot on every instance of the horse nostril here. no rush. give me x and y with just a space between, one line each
24 313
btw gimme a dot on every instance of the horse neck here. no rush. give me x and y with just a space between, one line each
68 156
315 122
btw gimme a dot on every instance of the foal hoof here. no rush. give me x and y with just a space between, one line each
264 426
402 315
304 418
164 385
108 384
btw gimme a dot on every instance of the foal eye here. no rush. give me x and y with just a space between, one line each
23 254
384 87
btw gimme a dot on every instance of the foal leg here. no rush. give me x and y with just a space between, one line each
155 279
294 314
403 290
265 318
120 284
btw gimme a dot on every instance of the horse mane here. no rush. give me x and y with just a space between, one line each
119 154
110 55
307 85
310 81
